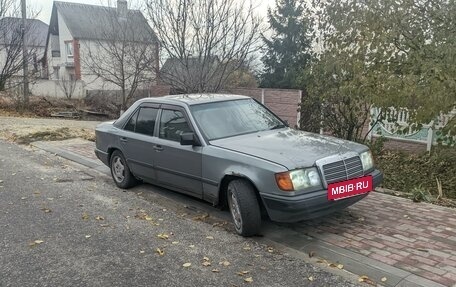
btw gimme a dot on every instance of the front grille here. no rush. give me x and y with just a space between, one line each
342 170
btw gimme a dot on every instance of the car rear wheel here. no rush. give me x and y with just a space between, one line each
120 171
244 207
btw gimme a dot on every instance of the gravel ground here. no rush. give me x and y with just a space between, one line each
63 225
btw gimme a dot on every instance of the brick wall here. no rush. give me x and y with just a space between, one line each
284 103
403 145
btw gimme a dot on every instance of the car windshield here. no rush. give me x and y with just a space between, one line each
231 118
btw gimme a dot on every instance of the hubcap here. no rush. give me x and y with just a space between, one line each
118 169
235 211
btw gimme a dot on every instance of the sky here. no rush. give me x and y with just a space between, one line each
45 6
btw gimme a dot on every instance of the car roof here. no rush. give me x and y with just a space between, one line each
194 99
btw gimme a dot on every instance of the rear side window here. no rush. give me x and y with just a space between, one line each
145 122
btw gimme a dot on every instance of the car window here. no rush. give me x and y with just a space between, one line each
230 118
172 124
145 123
130 126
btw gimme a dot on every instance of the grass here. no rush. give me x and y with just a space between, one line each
55 134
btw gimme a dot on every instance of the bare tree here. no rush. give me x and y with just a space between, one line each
205 41
11 57
67 85
124 54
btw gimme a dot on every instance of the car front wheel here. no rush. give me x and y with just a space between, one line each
244 207
120 171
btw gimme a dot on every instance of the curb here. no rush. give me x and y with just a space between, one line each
296 244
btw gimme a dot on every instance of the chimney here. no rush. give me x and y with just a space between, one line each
122 8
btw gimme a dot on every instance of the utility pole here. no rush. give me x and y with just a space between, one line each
24 54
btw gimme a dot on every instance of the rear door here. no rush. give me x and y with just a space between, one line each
176 165
138 141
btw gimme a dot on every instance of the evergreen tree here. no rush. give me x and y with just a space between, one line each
287 51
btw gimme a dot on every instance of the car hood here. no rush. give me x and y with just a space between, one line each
288 147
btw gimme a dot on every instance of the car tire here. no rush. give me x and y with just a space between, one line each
244 207
120 171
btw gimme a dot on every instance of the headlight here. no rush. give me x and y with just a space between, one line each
298 179
367 160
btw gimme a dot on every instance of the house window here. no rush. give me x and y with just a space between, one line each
69 48
56 72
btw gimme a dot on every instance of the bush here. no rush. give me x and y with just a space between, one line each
409 172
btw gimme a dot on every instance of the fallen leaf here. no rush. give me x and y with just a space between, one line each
163 236
142 252
206 263
210 237
270 249
365 279
36 242
242 273
175 242
148 218
310 278
246 248
186 265
88 236
215 270
85 216
383 279
191 246
201 217
225 263
340 266
160 252
206 258
46 210
99 218
248 279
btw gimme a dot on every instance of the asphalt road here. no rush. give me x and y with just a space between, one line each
63 225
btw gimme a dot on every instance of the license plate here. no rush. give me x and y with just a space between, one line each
351 187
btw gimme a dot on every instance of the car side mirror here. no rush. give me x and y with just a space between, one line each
188 138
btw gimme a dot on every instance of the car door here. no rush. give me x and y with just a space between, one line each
177 166
138 141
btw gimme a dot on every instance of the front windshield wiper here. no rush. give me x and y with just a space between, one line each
279 126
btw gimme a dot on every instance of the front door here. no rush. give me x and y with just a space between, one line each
177 166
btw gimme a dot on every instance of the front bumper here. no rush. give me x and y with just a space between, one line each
308 206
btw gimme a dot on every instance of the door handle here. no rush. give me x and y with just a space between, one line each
158 147
124 140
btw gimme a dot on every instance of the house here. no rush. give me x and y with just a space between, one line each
11 47
82 39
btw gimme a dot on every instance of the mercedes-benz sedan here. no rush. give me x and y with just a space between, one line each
233 152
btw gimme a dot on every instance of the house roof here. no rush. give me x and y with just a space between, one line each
101 23
36 31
